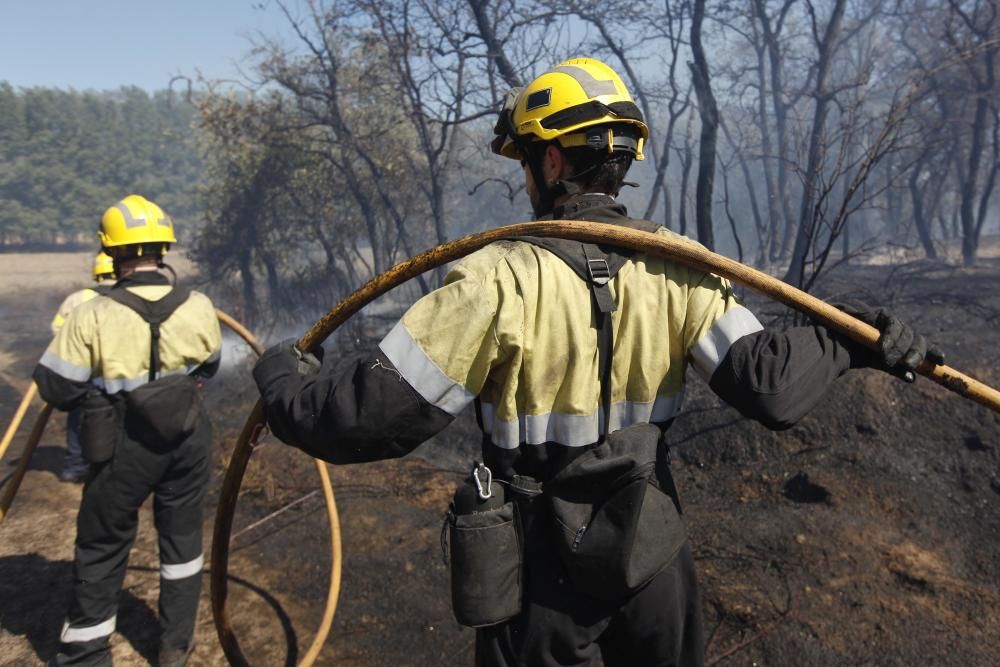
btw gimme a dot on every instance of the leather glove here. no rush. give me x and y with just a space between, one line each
284 359
901 349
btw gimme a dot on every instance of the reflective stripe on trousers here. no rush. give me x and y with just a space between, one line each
75 634
174 571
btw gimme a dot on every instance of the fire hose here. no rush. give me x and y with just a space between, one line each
678 250
11 488
15 423
241 459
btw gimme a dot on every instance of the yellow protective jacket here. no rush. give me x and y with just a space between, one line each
69 304
107 345
513 326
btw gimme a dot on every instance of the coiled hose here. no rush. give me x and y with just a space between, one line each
676 249
14 483
240 459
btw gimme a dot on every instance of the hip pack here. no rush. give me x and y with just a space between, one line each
615 514
163 412
612 515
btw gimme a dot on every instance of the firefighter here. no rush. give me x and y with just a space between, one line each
567 541
74 468
131 360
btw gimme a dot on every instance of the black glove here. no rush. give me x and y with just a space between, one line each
901 350
284 359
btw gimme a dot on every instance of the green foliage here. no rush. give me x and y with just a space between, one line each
309 184
65 156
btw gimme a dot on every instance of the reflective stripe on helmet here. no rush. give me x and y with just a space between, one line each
593 87
132 222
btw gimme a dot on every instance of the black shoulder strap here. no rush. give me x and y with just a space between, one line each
155 313
597 265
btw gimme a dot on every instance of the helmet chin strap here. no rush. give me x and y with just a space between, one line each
548 193
546 197
173 274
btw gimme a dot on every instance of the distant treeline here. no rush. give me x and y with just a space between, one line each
66 155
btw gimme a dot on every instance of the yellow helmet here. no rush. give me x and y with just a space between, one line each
135 220
104 266
579 102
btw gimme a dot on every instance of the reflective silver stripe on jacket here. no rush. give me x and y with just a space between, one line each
63 368
711 349
72 635
114 385
575 430
422 373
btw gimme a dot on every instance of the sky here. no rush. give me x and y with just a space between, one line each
106 44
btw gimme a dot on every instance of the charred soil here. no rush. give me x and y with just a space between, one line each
869 533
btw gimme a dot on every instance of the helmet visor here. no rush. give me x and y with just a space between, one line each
504 129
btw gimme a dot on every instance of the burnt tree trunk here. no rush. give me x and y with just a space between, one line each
709 112
919 214
780 213
814 161
687 158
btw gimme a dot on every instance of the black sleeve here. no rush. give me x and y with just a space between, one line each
368 413
61 393
209 368
776 377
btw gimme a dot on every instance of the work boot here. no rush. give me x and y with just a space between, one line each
69 656
174 657
74 475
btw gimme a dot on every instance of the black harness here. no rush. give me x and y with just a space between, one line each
596 265
154 313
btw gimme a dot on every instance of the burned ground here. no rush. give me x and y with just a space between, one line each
867 534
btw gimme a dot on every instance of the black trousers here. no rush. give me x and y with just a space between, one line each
106 529
659 626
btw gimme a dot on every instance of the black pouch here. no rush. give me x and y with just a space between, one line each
486 560
100 427
163 413
616 527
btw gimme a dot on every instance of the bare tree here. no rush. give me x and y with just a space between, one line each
768 28
822 95
709 112
972 26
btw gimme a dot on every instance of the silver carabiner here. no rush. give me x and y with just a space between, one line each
488 493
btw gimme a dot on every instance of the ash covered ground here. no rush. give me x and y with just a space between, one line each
868 534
